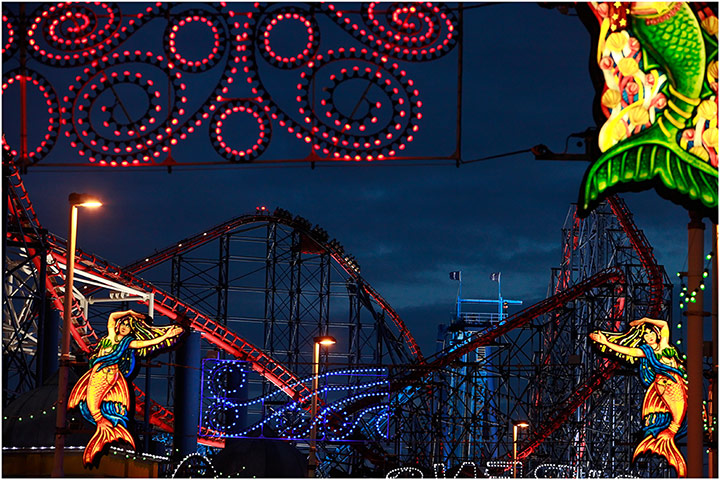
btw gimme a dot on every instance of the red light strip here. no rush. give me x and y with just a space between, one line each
641 245
212 331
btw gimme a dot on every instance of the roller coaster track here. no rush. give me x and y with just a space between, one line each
21 207
642 247
414 381
186 315
316 235
178 311
583 392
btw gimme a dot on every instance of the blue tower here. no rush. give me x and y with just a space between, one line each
470 420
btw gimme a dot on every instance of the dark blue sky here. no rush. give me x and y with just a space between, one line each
526 82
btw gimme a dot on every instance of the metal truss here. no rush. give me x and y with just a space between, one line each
280 282
601 434
24 306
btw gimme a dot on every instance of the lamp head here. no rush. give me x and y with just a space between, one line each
325 340
521 423
84 200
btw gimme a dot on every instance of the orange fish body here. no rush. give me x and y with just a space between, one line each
666 396
103 397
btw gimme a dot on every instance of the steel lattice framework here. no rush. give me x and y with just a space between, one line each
601 434
280 281
133 82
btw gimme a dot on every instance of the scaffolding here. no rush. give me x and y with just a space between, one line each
599 438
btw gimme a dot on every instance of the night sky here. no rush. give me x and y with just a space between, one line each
526 82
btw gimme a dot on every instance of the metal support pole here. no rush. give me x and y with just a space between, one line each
712 401
694 348
187 398
48 344
312 457
61 406
515 432
146 416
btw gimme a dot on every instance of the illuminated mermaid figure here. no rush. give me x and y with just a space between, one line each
102 393
661 370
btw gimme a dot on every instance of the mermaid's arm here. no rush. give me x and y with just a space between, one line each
171 332
664 339
115 316
653 321
630 351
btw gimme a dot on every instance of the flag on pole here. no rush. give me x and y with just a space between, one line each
495 276
456 276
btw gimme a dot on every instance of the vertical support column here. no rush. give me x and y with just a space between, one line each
47 323
696 228
295 300
712 401
270 292
7 196
175 289
48 341
324 295
354 329
223 280
187 396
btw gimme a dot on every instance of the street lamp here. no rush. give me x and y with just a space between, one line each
517 424
317 341
76 200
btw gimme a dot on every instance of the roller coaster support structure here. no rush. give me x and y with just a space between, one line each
598 434
695 319
187 400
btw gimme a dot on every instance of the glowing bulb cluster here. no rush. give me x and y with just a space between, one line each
262 137
416 32
52 131
380 131
9 45
288 14
81 33
216 50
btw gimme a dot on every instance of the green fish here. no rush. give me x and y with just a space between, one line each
673 39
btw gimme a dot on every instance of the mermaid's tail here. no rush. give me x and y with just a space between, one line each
79 391
105 434
664 444
643 157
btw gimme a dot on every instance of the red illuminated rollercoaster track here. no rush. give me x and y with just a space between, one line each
21 207
177 310
486 337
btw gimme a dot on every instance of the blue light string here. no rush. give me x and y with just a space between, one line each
223 404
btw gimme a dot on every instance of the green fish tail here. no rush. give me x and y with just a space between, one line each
648 156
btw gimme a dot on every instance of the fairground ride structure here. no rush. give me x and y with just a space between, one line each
294 283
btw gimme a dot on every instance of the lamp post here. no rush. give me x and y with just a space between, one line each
76 200
317 341
517 424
